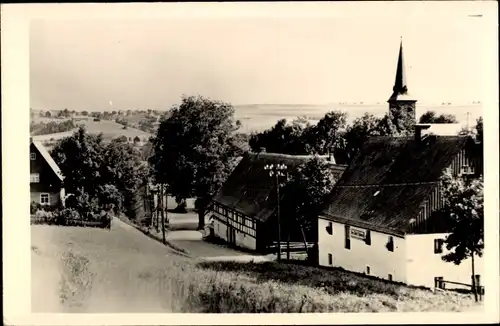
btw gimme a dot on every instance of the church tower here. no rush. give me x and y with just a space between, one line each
400 99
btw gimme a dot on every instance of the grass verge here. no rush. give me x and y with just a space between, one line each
154 235
233 287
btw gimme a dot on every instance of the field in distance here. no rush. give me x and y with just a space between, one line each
110 129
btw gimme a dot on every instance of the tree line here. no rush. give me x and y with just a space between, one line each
332 134
51 127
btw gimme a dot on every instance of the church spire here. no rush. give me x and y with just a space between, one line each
400 86
400 89
400 99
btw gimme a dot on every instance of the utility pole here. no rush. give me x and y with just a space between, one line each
468 130
277 171
279 217
474 287
162 214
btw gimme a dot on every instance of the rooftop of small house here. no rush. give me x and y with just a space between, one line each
384 185
47 157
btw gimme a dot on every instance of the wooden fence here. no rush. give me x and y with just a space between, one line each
441 284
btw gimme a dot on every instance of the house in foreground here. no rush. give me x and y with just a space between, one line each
245 209
379 217
46 179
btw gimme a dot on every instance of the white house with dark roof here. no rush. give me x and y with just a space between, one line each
381 216
46 179
381 219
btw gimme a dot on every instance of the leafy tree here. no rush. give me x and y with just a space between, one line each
397 123
281 138
327 136
124 168
103 173
109 195
137 139
304 195
80 157
194 151
464 205
122 138
361 129
85 113
479 129
241 143
431 117
48 114
64 114
302 138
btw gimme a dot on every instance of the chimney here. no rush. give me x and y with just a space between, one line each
419 127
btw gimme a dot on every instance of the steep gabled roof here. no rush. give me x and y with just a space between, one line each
383 187
46 156
250 190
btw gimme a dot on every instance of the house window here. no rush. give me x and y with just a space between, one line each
32 156
44 199
347 237
34 178
330 259
368 239
390 277
390 244
438 246
329 228
367 270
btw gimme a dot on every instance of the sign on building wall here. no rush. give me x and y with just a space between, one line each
358 234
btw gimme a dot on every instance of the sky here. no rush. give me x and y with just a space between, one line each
83 63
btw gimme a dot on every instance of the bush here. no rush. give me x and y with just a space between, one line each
44 216
97 119
34 207
110 196
67 216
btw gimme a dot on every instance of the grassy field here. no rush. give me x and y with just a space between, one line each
110 130
124 271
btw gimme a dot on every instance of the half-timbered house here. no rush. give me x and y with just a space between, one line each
244 212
